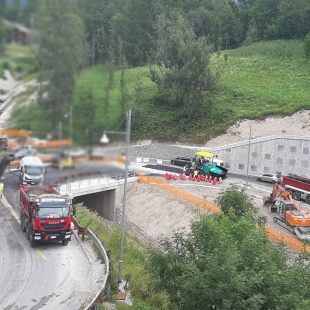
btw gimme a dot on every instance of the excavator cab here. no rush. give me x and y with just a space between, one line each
285 206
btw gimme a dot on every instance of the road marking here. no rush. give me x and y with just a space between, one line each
41 254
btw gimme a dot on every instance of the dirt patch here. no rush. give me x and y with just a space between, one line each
157 213
297 124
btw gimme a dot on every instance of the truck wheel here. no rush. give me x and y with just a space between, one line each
22 222
308 199
64 242
296 195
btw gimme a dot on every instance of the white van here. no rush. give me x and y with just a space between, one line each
32 170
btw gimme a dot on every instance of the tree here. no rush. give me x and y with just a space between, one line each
136 26
235 199
293 19
227 263
307 46
182 73
59 56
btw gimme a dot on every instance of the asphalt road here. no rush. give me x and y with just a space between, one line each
49 276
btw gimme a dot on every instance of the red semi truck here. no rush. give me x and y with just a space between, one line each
299 187
44 214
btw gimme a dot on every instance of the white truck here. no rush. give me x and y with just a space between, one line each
32 170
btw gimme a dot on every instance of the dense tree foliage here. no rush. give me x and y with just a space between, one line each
183 62
227 263
176 34
59 57
236 200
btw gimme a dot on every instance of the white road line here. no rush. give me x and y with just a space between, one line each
10 209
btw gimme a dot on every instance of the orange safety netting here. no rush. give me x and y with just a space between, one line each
199 202
272 234
53 143
15 132
291 242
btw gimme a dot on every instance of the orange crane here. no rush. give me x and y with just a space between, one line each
287 213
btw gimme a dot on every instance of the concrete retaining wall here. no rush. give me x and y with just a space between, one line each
267 155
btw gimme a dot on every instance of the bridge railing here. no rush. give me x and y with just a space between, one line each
90 181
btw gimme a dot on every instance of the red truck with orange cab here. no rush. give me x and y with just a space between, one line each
45 215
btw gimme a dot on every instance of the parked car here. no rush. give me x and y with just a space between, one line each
25 150
181 161
270 178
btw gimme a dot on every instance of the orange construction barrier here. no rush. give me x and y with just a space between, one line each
272 234
15 132
182 177
199 202
167 176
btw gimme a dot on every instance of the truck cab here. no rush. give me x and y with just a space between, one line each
32 170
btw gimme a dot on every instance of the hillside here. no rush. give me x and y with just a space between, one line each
262 79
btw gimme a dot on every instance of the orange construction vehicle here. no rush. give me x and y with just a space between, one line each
287 213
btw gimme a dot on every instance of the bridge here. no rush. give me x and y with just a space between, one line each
97 192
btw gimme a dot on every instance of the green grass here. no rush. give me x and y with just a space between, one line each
262 79
135 262
18 59
257 80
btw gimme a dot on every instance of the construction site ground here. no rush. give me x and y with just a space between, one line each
159 213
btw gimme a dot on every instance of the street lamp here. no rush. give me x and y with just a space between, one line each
105 139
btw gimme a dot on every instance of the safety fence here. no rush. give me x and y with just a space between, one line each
199 202
272 234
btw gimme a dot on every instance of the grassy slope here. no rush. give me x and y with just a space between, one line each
17 58
135 256
265 78
257 80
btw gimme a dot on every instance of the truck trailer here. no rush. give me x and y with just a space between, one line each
299 187
45 215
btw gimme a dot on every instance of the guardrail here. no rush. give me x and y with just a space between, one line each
89 175
93 304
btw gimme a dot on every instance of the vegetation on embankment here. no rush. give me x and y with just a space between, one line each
17 59
135 264
255 81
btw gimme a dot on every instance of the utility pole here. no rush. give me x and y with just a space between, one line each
70 123
247 167
121 255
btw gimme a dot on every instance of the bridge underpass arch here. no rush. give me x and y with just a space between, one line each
102 202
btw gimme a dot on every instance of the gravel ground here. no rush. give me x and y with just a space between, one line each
297 124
